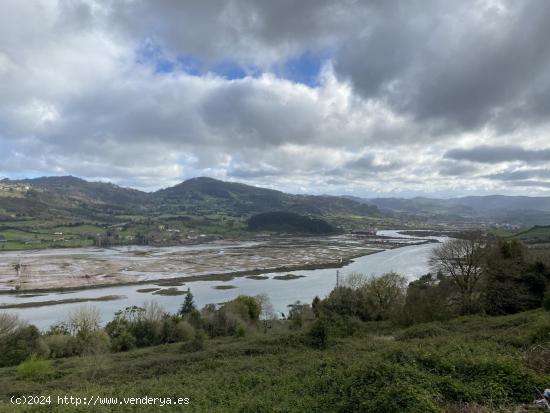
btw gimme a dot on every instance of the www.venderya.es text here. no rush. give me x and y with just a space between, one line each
100 400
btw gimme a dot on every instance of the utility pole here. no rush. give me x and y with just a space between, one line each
337 278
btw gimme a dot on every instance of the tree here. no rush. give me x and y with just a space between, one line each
461 259
20 344
251 306
84 321
355 280
385 294
512 282
188 304
317 334
430 298
267 311
9 323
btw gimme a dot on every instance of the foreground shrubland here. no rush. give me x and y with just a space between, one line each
457 365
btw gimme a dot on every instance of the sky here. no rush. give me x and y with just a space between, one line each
366 98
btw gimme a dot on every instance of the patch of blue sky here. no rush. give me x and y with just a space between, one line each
304 68
152 55
231 71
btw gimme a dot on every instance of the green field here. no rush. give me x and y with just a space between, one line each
534 234
162 230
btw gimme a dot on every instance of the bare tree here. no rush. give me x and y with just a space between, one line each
461 259
267 311
9 323
84 320
355 280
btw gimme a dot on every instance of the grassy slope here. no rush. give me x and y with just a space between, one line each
476 360
535 234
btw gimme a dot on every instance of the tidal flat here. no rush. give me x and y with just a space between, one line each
78 268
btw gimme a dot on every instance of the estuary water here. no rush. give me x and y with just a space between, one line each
410 261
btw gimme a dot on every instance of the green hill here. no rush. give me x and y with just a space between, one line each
470 364
536 234
76 198
281 221
70 212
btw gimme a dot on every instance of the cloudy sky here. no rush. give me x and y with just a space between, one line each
386 98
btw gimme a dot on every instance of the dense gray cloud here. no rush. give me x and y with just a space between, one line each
497 154
413 97
249 31
521 174
467 64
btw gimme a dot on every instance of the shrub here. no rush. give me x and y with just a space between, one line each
241 330
61 345
118 330
421 331
184 331
252 308
20 344
97 342
123 342
317 336
34 368
300 315
546 301
194 318
540 333
538 358
196 344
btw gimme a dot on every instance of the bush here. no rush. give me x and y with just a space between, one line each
421 331
184 331
247 307
123 342
546 301
300 315
61 345
317 336
241 330
538 358
540 332
97 342
34 368
196 344
20 344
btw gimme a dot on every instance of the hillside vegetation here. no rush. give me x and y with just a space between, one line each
67 212
289 222
76 198
519 210
449 366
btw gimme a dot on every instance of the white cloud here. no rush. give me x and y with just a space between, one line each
75 98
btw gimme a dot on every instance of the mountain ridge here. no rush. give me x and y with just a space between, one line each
69 195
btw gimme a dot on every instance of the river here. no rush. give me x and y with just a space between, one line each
410 261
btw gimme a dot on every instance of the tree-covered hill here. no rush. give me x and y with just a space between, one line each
281 221
74 197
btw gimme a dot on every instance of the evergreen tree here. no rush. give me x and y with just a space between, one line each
188 304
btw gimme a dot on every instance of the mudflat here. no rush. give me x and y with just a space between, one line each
89 267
